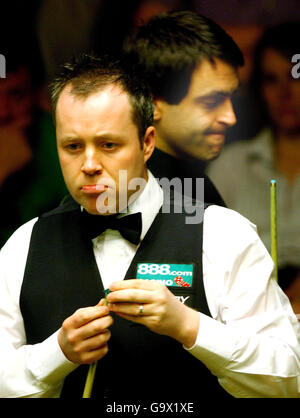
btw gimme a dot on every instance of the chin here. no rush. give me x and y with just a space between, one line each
89 205
91 210
213 155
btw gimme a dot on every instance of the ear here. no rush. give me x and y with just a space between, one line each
149 142
158 109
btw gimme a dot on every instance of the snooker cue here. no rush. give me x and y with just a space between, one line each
273 225
88 387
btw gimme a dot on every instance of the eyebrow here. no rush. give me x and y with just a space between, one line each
109 136
217 95
221 93
104 136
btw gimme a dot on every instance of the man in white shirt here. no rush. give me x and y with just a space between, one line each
239 324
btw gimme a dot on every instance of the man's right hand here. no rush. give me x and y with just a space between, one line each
84 335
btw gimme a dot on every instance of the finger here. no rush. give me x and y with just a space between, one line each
130 296
85 315
133 309
142 320
95 327
95 342
101 302
90 357
133 284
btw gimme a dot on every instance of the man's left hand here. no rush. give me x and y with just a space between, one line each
161 312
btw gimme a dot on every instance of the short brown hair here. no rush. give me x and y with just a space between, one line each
88 74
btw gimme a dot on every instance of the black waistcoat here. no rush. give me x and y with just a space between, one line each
61 276
163 165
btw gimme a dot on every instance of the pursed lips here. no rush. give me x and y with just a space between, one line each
94 188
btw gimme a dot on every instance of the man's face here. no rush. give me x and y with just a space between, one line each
196 126
97 138
281 92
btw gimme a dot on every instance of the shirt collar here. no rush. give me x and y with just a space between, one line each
148 203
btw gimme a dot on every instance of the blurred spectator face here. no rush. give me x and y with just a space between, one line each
16 99
281 92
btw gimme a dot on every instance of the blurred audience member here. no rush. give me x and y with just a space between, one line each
15 117
244 169
30 178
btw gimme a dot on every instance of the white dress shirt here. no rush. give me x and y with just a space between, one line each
242 173
251 343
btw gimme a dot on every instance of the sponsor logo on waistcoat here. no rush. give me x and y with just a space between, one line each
171 275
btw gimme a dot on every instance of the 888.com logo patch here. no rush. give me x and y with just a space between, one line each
177 275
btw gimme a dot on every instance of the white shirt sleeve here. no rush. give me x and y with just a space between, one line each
25 370
39 370
252 342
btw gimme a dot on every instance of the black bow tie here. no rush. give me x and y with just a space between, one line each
129 226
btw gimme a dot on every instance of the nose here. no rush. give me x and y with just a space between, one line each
227 115
91 164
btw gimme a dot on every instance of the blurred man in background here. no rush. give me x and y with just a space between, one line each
192 68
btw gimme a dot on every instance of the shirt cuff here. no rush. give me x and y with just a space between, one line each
213 346
47 362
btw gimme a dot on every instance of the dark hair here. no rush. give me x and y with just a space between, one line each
88 74
171 44
284 38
